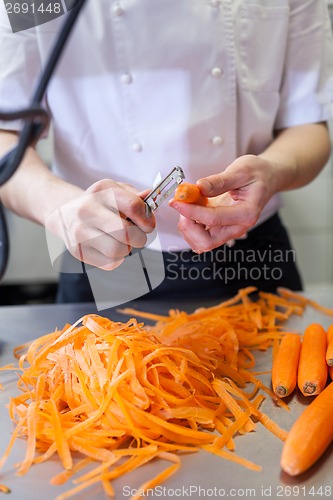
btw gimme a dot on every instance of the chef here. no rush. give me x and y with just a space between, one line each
236 92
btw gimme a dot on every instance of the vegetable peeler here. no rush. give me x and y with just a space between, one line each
164 189
153 200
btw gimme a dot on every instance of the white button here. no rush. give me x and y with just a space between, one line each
136 147
117 10
217 140
216 72
126 78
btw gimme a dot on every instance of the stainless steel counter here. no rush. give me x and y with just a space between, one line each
201 475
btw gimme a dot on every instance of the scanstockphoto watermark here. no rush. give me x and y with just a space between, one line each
261 491
188 492
228 264
24 15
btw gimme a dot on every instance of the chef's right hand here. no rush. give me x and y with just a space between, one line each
94 226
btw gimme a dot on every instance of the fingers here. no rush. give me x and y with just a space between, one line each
238 175
92 256
116 198
201 239
244 214
95 226
236 199
104 222
212 185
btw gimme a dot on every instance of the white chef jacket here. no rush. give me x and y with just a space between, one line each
146 85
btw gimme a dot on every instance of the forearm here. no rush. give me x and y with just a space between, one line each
297 155
33 192
87 221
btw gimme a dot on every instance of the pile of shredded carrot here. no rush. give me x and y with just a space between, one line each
123 394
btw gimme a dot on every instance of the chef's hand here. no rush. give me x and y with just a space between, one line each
94 226
236 199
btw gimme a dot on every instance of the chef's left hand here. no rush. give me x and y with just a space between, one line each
236 199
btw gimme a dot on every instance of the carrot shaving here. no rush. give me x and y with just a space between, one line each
4 489
146 392
304 301
8 367
161 477
65 475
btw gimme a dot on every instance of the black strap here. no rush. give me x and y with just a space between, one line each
4 243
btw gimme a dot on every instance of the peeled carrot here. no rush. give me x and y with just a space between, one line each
190 193
285 365
310 435
312 368
329 350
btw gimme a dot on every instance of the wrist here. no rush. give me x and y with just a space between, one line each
282 171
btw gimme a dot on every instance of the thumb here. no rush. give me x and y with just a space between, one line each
213 185
232 178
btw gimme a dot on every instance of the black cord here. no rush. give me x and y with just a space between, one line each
57 51
4 243
36 121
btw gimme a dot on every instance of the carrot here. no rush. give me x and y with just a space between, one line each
285 365
124 394
329 350
312 368
310 435
189 193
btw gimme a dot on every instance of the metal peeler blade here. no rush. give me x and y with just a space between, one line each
164 189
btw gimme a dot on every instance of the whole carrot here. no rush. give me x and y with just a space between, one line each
312 368
285 365
310 435
329 350
190 193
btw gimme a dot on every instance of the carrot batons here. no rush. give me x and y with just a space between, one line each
310 435
285 365
312 369
190 193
